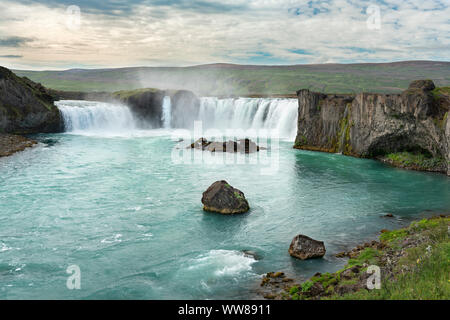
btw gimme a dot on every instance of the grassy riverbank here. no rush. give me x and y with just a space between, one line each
414 264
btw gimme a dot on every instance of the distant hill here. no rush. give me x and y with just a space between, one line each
230 79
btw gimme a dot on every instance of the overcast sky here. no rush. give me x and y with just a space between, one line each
49 35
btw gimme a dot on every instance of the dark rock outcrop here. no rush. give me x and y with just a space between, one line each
222 198
26 107
241 146
303 247
146 105
374 125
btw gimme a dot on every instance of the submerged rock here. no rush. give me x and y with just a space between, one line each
251 254
222 198
303 247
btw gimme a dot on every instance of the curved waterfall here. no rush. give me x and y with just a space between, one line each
249 113
237 113
89 116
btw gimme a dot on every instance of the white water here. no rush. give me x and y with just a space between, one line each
249 113
94 117
166 112
280 115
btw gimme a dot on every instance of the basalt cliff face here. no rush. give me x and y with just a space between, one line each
26 107
392 128
147 106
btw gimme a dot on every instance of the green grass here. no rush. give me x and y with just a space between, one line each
249 80
438 92
428 277
422 272
123 94
368 255
409 159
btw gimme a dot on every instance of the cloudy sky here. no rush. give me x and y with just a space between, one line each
62 34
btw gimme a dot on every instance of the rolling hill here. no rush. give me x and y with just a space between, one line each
235 80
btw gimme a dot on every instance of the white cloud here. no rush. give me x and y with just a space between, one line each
264 31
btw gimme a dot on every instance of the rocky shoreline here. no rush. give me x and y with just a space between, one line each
402 256
10 144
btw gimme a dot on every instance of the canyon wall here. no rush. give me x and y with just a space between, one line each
378 126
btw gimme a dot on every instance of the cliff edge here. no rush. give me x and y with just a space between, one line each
409 130
26 107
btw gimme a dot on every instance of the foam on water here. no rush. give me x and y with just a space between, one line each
223 263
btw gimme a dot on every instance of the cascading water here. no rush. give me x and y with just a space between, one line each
89 116
280 115
166 112
249 113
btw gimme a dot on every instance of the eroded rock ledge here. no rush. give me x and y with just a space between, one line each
10 144
410 130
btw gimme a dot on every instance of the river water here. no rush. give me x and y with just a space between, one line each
110 198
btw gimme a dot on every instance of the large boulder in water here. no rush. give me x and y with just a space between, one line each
223 198
303 247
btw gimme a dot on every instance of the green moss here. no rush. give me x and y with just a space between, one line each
326 279
428 280
348 282
344 132
427 264
426 224
393 235
124 94
237 195
368 255
306 286
295 297
408 159
439 92
293 290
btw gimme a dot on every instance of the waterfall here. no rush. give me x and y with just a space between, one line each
166 112
89 116
85 117
249 113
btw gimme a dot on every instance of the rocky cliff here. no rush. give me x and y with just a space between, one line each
26 107
146 104
411 129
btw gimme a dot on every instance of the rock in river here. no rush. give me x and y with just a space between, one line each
223 198
303 247
240 146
